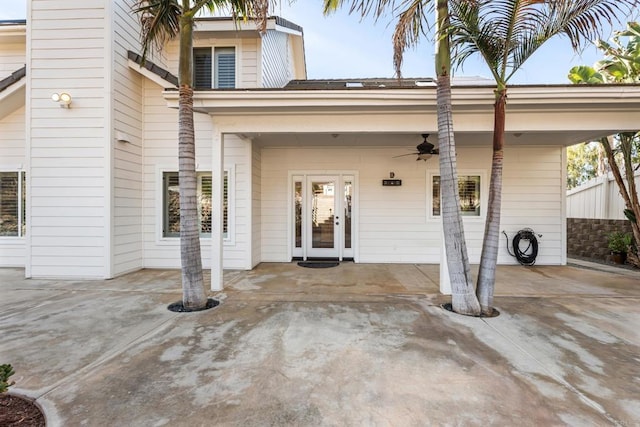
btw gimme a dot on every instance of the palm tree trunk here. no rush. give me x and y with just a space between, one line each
463 298
630 196
489 256
193 292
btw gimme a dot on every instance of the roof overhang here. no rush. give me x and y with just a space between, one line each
559 114
223 26
148 69
13 31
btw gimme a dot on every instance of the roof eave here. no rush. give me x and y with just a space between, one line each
480 97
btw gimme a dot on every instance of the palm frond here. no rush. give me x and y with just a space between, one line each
364 8
159 22
411 26
507 32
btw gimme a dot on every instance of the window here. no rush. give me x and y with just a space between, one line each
469 190
171 204
202 68
12 204
225 68
219 73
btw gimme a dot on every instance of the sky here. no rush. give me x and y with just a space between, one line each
344 46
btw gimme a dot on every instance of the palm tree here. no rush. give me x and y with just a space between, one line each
621 65
506 33
411 26
161 21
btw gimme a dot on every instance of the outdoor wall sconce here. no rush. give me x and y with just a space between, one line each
64 99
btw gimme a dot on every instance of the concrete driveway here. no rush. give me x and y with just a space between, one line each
352 345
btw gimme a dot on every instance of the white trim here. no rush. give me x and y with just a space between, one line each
109 153
20 238
27 143
304 177
230 239
220 44
563 208
484 195
161 239
259 62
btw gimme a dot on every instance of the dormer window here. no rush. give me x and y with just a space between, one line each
214 68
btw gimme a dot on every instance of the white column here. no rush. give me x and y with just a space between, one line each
217 238
445 282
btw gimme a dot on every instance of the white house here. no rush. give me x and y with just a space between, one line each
87 187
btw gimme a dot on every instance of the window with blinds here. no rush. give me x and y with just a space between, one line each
469 190
217 70
12 204
202 68
171 204
225 68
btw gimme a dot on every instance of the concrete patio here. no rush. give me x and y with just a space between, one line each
353 345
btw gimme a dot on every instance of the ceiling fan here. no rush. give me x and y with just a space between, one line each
425 150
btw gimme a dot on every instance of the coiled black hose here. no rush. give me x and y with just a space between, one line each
528 255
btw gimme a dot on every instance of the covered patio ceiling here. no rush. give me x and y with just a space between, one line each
410 140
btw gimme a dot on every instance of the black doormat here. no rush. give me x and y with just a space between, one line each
318 264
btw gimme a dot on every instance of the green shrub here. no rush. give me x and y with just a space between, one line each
5 372
620 242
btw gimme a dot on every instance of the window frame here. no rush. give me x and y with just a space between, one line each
213 66
165 239
484 195
21 202
217 50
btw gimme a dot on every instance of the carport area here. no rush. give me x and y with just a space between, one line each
358 344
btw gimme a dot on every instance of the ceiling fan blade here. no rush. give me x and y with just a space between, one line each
402 155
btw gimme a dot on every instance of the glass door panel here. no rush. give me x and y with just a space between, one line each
324 222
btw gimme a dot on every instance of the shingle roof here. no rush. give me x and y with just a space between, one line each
359 83
161 72
13 22
13 78
287 24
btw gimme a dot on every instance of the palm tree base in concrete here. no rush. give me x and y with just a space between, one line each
178 307
449 307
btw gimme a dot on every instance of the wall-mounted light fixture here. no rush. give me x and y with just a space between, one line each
64 99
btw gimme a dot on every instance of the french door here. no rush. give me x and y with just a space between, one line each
322 216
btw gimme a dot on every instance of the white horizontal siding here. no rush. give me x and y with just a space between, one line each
532 197
127 161
160 150
256 188
69 42
12 57
246 57
394 224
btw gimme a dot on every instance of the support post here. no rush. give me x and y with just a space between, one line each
217 211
